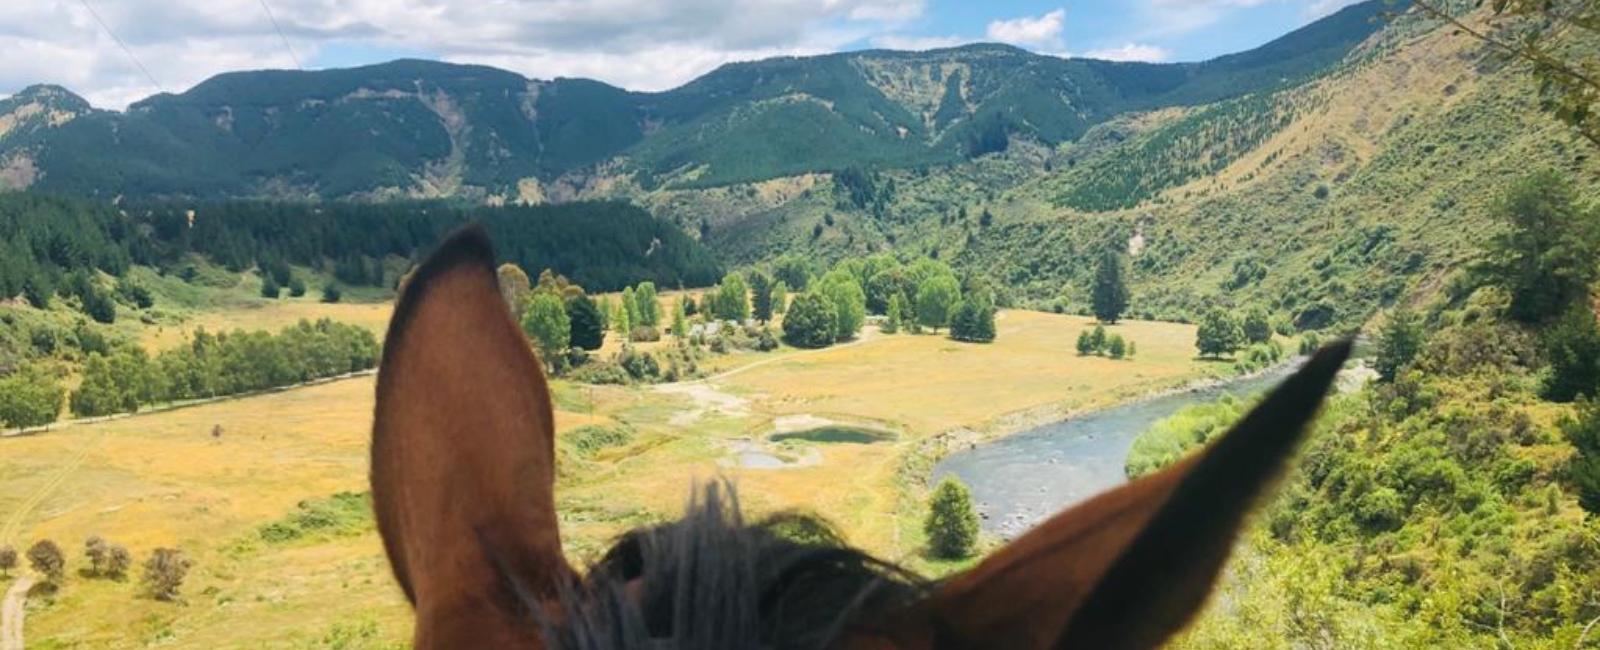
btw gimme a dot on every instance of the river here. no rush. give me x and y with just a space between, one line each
1018 480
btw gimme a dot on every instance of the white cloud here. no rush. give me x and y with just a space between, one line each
1038 32
1131 52
641 44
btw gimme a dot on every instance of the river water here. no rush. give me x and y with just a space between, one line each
1018 480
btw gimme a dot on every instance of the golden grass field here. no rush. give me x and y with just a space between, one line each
161 479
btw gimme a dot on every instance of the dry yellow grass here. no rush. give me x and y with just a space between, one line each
161 479
271 316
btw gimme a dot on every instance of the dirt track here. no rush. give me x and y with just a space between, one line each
12 611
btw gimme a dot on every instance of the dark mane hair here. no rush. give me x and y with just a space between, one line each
710 581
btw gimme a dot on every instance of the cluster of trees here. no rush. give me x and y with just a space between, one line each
925 293
1096 342
213 365
30 397
164 570
1221 333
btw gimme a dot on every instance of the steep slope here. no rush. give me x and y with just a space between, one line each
420 129
1322 201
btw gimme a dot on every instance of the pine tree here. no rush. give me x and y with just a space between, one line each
952 524
588 325
761 296
1110 294
1085 343
1398 343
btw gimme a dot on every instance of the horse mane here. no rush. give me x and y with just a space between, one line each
712 581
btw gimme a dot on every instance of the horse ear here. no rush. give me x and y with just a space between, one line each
463 471
1131 567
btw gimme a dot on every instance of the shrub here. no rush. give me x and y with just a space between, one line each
973 322
639 365
270 288
1572 348
331 293
297 287
1116 347
1255 327
644 334
591 439
164 573
8 559
952 525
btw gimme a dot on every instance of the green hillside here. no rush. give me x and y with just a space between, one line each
413 129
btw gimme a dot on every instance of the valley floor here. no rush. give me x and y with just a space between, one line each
164 480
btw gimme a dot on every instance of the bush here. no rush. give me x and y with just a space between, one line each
270 288
1255 327
591 439
1583 472
639 365
340 515
1116 348
644 334
1572 348
331 293
164 573
30 398
8 560
952 525
297 287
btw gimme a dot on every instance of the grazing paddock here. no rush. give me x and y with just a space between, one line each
163 480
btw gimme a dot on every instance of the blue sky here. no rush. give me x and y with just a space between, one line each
635 44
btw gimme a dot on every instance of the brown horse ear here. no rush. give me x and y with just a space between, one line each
463 471
1131 567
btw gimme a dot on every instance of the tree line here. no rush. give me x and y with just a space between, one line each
49 245
215 365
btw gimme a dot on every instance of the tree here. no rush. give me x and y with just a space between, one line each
514 286
30 397
780 297
794 271
680 320
952 524
164 572
331 293
270 288
1583 431
935 299
1085 343
8 559
1398 343
973 322
547 325
1546 256
1219 334
1548 35
99 393
118 561
732 299
621 322
649 305
897 310
1116 347
1110 292
588 326
849 302
1097 338
46 558
1256 327
811 321
884 285
761 296
1572 348
630 306
98 552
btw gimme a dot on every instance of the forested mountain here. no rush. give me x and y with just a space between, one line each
421 129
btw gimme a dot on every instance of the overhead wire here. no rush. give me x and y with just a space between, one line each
276 27
125 50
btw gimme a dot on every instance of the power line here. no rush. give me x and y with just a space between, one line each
281 37
122 45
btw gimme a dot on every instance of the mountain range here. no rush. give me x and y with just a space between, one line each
425 129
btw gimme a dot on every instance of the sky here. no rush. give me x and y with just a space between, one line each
114 52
